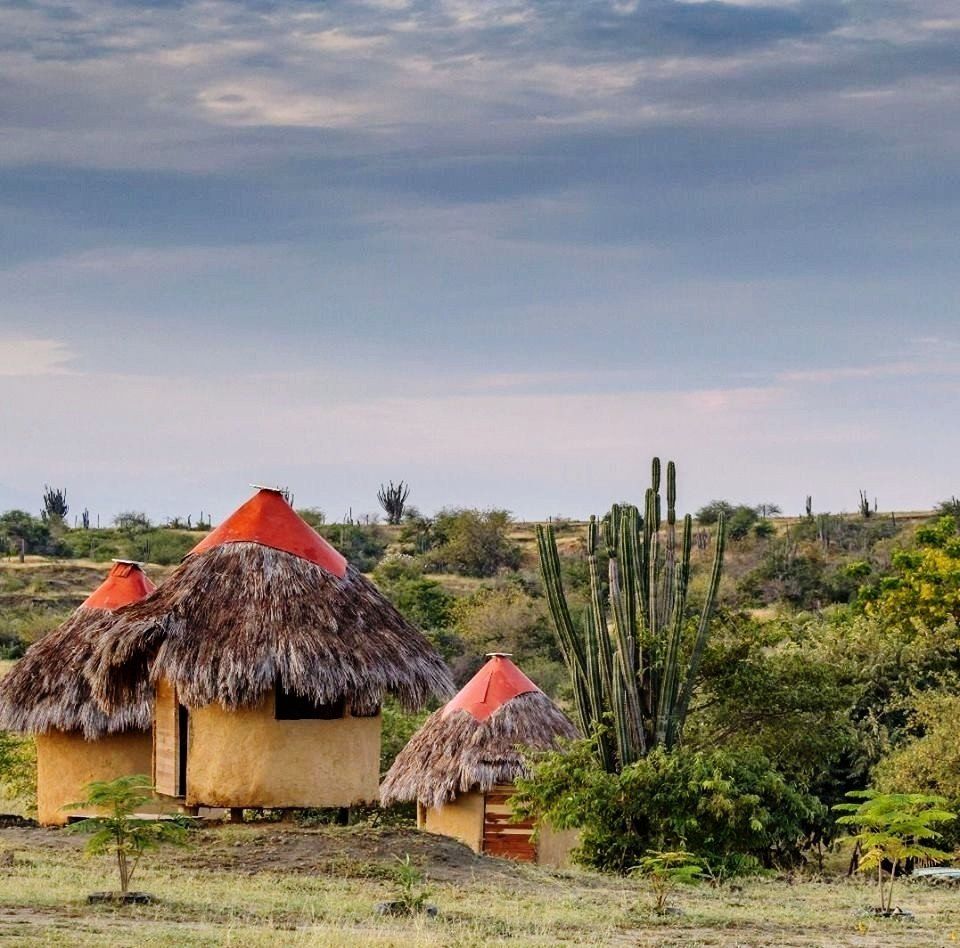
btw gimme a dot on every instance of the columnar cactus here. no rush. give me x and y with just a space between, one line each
634 659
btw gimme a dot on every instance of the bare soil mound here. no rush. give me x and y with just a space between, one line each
357 851
360 851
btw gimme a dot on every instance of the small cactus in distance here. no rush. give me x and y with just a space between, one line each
393 499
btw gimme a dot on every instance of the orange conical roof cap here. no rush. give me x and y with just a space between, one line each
125 583
493 686
267 519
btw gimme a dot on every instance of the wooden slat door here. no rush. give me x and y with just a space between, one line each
501 836
166 741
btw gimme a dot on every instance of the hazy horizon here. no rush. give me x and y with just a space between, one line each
506 252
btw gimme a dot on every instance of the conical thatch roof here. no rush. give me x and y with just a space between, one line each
265 600
477 740
48 689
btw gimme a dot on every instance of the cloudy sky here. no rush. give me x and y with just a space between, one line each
506 250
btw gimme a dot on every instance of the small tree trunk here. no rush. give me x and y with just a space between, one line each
23 549
854 859
124 877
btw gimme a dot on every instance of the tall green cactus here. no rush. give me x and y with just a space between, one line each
634 659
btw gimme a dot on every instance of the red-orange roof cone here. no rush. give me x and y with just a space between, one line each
125 583
494 685
267 519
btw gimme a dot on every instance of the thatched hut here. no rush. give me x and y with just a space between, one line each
48 695
461 765
270 656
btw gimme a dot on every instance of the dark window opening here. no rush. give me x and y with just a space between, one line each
294 707
183 731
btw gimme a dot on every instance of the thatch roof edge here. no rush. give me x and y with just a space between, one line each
456 753
48 689
232 621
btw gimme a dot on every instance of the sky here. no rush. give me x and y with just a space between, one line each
504 250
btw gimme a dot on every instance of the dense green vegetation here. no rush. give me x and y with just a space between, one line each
832 663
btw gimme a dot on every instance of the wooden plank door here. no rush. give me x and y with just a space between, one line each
166 741
501 836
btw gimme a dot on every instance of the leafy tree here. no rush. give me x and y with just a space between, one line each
769 687
421 600
665 870
398 726
763 529
363 546
313 516
417 534
132 521
928 761
893 828
17 525
118 833
473 542
741 521
710 513
18 769
924 590
505 618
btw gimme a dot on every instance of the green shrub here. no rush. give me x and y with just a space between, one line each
397 729
730 808
472 543
422 601
363 546
18 770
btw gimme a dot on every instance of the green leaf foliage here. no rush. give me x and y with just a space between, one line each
118 832
720 805
892 828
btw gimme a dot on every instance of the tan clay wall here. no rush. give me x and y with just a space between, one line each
554 847
462 819
247 758
67 762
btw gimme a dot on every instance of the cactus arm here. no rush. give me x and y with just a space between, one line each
703 628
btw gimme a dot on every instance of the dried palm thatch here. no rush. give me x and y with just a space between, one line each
456 753
233 621
47 689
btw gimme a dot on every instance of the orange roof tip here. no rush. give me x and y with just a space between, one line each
266 518
125 583
493 686
276 489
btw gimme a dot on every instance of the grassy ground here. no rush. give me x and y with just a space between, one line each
278 885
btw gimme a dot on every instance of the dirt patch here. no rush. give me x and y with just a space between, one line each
30 836
356 851
353 852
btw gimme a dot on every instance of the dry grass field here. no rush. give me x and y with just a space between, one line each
270 884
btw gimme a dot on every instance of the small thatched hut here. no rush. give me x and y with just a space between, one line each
461 765
270 656
48 695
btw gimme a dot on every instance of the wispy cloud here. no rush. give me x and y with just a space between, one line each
463 237
26 358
